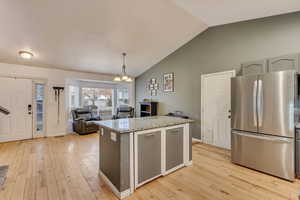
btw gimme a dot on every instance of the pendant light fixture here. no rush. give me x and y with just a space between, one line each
124 76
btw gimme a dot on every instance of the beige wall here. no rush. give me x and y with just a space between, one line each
218 49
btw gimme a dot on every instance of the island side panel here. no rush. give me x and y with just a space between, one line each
125 161
110 157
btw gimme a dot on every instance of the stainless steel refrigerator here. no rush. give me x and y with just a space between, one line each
263 122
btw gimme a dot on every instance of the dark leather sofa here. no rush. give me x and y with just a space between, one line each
82 121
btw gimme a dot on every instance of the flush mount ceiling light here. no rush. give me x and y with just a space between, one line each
124 76
26 54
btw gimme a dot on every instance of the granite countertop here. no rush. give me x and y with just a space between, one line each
139 124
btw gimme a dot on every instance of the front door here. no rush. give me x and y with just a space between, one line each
215 107
16 97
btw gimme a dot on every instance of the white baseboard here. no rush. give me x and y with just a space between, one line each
120 195
173 169
56 134
189 163
2 140
125 194
196 140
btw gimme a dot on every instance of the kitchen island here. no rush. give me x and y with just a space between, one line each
135 151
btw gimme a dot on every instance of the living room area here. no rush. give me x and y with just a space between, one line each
40 100
90 100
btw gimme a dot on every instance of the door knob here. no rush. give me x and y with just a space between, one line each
229 116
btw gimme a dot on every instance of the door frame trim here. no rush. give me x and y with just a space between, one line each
203 77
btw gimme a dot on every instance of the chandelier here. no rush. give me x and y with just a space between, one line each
124 77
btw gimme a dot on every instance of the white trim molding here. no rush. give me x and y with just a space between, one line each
120 195
203 76
189 163
186 144
196 140
174 169
163 151
131 164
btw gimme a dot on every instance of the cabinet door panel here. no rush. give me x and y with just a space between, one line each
254 67
149 156
174 148
288 62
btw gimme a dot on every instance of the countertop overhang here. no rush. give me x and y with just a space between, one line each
139 124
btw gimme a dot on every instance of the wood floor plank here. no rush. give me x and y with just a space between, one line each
66 168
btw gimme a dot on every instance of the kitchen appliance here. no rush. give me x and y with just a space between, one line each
263 115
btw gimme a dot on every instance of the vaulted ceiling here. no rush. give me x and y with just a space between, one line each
217 12
91 35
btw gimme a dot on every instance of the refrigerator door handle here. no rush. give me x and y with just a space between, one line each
260 104
264 137
254 102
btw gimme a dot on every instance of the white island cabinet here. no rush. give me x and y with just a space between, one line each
138 150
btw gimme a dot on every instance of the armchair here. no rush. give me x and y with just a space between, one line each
124 111
82 121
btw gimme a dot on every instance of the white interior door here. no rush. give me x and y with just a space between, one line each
16 96
216 99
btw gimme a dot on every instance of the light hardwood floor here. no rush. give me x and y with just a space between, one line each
65 168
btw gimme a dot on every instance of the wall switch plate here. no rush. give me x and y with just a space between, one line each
113 136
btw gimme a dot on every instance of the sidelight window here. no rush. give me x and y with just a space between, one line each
39 103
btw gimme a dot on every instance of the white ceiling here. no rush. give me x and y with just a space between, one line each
217 12
91 35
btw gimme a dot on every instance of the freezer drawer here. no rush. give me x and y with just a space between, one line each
270 154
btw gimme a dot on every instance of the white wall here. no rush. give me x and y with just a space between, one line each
55 77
